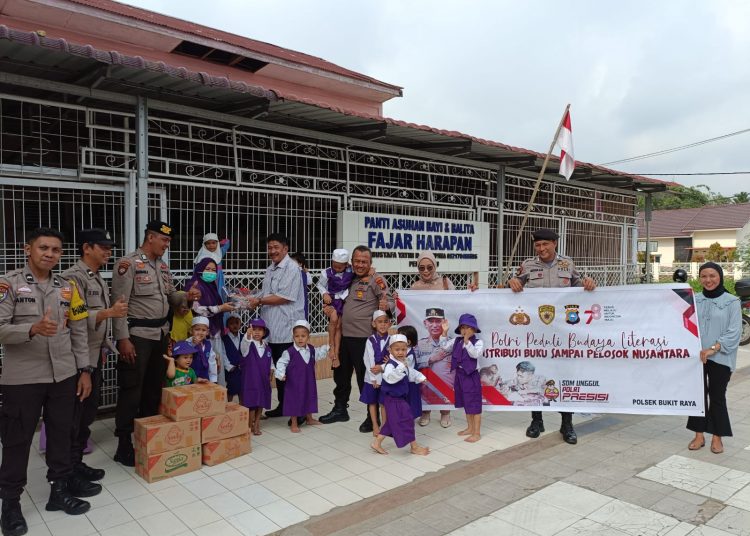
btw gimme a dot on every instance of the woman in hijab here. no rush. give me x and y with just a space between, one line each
430 279
720 324
211 305
215 250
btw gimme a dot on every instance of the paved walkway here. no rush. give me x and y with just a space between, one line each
631 474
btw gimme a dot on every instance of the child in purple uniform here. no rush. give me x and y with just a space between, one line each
376 348
334 285
205 363
256 369
395 396
296 367
415 392
465 350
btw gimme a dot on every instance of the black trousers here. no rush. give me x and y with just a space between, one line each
716 422
351 359
19 416
140 383
276 350
84 415
566 416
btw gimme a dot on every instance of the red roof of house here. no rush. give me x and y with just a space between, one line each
685 221
205 32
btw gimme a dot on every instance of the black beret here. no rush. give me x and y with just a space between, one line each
160 227
544 234
95 236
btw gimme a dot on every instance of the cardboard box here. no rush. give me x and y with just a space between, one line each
233 423
156 467
157 434
220 451
191 401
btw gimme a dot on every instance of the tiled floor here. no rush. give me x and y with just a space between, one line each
285 480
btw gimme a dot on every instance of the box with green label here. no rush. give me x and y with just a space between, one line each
156 467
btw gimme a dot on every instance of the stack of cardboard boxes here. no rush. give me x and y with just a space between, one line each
196 425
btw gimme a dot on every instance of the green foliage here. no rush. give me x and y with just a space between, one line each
742 255
715 253
691 197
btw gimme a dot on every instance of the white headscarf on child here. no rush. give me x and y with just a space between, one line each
203 252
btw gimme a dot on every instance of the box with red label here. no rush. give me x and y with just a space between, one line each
156 467
157 434
191 401
233 423
220 451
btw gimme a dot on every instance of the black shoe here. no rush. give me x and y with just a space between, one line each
12 521
535 428
61 499
276 412
89 473
125 453
81 487
337 414
366 426
569 435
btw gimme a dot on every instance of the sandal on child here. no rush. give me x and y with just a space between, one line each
445 420
424 420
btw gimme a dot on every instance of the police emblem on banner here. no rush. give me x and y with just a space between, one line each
547 313
571 314
520 318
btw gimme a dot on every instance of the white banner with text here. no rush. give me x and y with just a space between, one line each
626 349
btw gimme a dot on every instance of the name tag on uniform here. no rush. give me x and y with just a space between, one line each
536 274
143 279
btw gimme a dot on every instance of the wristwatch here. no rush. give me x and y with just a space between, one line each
88 369
715 347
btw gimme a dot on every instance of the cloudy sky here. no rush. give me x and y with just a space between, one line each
641 76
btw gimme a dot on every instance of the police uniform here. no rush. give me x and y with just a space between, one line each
38 373
560 273
146 285
356 326
95 292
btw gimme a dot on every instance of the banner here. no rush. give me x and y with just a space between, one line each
627 349
396 240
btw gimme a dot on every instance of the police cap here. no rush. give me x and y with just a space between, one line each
95 236
434 312
544 234
160 227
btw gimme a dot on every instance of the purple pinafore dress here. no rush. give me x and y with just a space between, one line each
256 378
301 392
466 385
399 423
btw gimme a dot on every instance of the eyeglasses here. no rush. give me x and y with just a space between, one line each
425 268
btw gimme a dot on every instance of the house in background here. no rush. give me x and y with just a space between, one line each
684 235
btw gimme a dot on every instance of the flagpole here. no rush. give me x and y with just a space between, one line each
533 194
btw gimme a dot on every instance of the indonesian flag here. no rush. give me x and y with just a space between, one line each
565 143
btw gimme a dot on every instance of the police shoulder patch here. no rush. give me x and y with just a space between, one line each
379 282
123 266
4 291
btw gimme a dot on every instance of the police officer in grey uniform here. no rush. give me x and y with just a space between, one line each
145 281
95 249
549 270
43 333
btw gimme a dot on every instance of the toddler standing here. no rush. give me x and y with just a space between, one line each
395 395
256 369
232 356
465 350
296 367
204 364
415 391
376 348
179 359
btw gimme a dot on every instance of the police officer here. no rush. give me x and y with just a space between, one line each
549 270
43 333
145 282
95 249
367 293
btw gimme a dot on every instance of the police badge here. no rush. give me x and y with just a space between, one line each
520 318
571 314
547 313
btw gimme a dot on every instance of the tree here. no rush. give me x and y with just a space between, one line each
743 256
692 197
741 197
715 253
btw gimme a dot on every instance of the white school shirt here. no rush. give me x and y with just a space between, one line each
395 373
213 365
323 285
260 347
474 350
237 344
283 362
369 359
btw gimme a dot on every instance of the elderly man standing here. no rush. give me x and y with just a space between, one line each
367 293
282 303
144 280
549 270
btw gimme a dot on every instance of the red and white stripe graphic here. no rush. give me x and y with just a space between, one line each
565 143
